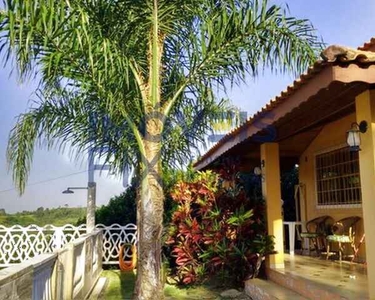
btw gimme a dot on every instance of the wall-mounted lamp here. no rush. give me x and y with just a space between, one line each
257 171
353 135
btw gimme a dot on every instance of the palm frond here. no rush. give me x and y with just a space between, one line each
120 62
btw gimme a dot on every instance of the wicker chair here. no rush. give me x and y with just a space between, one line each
317 230
343 233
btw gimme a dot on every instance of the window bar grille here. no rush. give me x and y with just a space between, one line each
338 178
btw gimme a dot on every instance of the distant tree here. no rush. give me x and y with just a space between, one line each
120 209
2 212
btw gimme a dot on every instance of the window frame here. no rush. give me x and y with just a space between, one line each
330 206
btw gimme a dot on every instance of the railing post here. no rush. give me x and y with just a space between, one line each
99 249
88 266
64 269
43 277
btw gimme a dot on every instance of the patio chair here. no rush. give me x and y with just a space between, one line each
317 230
344 233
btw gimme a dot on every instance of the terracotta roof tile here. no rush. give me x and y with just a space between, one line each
316 68
344 54
333 54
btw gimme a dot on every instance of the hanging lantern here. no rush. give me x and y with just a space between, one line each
353 136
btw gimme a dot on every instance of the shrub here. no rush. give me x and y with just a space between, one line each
122 209
216 229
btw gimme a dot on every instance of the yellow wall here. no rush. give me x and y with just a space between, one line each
332 135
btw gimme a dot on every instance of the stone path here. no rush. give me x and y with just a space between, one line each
231 294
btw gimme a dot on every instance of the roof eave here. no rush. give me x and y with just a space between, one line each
319 76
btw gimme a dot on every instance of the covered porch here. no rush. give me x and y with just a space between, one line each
338 278
306 126
312 278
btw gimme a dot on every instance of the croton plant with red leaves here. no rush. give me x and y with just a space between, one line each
216 229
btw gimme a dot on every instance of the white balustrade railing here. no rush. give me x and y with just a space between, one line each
68 273
18 243
113 237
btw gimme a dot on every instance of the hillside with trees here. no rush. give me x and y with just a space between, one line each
43 216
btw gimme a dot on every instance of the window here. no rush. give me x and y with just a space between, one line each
338 178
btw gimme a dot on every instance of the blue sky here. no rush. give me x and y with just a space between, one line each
344 22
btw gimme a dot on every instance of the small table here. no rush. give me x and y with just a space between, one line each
292 233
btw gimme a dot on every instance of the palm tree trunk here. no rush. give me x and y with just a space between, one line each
149 283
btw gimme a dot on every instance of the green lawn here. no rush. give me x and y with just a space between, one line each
121 284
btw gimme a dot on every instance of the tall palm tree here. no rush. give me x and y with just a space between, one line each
147 67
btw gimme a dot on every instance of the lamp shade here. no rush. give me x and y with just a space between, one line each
68 191
257 171
353 139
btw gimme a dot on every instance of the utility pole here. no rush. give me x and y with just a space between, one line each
91 188
91 206
91 193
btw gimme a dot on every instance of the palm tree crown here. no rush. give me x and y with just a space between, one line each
138 79
93 58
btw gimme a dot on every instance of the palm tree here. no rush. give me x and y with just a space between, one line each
149 70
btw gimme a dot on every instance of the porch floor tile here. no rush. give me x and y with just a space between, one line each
343 278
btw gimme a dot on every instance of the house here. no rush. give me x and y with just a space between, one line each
308 125
220 129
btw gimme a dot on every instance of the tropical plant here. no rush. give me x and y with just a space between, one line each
136 79
215 231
